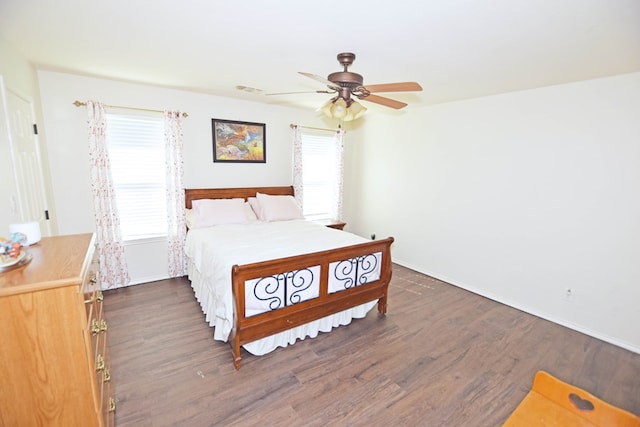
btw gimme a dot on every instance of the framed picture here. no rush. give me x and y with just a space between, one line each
239 142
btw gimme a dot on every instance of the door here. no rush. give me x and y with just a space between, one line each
27 162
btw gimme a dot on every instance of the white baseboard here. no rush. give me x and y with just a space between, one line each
141 280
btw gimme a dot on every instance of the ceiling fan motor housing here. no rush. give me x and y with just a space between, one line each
346 78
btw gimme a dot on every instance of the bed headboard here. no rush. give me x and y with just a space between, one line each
191 194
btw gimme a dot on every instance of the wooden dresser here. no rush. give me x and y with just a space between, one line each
54 365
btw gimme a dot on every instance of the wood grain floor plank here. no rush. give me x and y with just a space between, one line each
442 356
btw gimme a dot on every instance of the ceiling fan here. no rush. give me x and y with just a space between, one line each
346 85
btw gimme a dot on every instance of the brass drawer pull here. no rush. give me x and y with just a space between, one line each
98 327
95 327
106 375
99 363
93 278
112 404
97 297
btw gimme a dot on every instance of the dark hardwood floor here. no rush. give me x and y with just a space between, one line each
441 356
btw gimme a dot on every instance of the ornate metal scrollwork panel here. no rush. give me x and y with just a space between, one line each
281 290
352 272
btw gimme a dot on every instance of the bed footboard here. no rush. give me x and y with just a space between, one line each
299 289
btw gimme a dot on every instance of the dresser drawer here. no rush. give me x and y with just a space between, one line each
91 299
96 322
106 390
102 367
90 287
109 405
98 333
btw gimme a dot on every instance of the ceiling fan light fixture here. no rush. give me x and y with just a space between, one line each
348 117
326 108
338 108
357 109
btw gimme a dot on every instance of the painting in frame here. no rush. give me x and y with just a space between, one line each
238 142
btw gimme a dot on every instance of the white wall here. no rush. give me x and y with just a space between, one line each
518 197
65 125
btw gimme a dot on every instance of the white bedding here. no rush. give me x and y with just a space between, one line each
211 252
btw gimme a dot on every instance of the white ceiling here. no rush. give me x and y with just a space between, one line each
456 49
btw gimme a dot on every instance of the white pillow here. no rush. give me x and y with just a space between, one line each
248 210
188 217
278 208
210 212
255 206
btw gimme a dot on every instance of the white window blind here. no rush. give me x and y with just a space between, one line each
137 156
318 172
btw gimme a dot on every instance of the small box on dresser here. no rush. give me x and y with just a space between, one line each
54 362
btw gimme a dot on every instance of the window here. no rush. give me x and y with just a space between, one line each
318 175
137 156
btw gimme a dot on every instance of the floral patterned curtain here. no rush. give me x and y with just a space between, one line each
338 152
297 165
113 265
175 193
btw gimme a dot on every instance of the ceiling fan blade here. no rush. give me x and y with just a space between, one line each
320 79
292 93
395 87
387 102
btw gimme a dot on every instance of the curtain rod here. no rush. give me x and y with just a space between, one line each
82 104
292 125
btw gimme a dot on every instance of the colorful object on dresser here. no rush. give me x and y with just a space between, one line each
31 230
10 248
553 403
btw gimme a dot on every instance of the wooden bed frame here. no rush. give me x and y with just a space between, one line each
248 329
